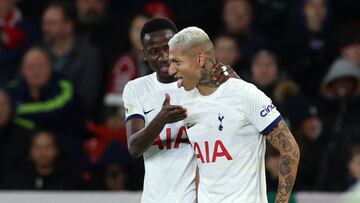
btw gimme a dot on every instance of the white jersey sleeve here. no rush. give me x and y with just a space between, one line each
132 103
260 110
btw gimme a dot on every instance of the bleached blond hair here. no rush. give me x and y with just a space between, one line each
189 37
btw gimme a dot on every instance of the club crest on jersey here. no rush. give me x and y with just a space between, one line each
220 118
266 109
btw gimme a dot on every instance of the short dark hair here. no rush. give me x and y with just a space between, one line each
349 36
156 24
267 51
68 10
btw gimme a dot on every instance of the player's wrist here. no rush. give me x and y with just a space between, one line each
159 121
282 200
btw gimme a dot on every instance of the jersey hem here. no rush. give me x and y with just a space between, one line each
134 116
272 125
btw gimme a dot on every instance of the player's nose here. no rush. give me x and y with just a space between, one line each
164 55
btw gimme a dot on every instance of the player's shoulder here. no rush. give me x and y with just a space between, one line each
242 92
241 86
140 82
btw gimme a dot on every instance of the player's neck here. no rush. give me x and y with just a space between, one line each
206 85
166 80
206 90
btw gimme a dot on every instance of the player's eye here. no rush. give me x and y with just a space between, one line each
176 62
153 51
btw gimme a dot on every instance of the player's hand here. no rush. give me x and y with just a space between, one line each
220 75
171 113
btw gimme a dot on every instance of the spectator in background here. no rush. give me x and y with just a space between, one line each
265 71
116 176
16 33
41 98
227 51
350 45
302 116
341 85
308 48
339 111
130 65
113 173
272 17
72 56
353 166
238 17
99 28
40 95
46 170
91 14
112 129
14 139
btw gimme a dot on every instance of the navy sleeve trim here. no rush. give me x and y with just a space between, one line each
270 127
134 116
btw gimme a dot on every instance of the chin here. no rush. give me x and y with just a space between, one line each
188 88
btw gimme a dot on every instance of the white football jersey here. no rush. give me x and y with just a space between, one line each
170 163
225 130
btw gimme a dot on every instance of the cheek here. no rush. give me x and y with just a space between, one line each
271 72
194 75
151 59
256 71
30 75
190 71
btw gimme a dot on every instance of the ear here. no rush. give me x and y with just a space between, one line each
144 53
202 58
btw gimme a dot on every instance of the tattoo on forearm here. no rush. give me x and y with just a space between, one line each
289 182
285 142
281 195
295 154
286 163
282 139
284 189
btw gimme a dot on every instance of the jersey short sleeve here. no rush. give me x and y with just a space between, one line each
133 108
260 110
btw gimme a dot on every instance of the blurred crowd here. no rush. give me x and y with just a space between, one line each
64 64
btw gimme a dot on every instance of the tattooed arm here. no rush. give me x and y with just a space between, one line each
281 138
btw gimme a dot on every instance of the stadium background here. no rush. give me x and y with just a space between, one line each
304 54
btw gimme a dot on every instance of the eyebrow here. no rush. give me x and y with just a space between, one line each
174 59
